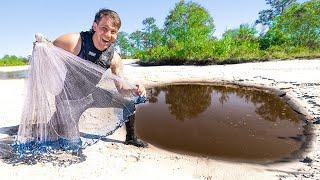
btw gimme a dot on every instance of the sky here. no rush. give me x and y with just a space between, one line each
20 20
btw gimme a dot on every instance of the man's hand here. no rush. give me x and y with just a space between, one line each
140 91
39 38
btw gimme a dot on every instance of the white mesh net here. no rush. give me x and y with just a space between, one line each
69 100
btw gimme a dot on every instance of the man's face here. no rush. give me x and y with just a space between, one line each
105 33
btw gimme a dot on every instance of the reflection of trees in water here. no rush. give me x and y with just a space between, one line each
271 108
224 93
187 101
268 106
153 94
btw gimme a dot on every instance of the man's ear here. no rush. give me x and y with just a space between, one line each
94 26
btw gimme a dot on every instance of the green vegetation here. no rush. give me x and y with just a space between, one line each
293 31
276 8
13 61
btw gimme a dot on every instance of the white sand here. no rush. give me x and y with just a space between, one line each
115 160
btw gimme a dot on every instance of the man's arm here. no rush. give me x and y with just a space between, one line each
116 65
117 69
70 42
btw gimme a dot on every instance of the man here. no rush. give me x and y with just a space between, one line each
97 46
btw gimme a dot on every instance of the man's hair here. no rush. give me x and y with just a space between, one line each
110 14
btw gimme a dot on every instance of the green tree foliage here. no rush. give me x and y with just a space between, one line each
276 8
188 28
244 33
124 45
298 26
187 36
152 35
8 60
136 41
273 37
240 43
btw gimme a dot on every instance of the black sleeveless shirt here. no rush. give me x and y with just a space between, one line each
91 53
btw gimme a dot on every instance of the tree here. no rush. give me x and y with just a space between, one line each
298 25
239 43
277 7
244 33
152 35
124 45
188 27
136 40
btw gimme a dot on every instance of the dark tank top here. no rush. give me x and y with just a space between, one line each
91 53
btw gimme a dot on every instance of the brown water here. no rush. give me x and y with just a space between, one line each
223 122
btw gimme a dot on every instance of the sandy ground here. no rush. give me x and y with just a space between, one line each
296 81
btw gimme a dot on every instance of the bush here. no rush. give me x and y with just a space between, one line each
8 60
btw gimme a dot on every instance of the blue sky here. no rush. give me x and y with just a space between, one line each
20 20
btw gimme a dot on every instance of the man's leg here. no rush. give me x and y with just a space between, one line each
131 138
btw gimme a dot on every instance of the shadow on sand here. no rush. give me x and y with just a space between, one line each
58 158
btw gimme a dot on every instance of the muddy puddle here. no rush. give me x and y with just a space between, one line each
232 123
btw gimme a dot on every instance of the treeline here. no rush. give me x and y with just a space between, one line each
8 60
291 30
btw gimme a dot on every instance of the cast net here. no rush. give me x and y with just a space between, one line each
70 101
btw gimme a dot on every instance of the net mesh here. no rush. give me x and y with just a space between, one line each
70 101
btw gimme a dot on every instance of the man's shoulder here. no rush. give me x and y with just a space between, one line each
68 38
69 42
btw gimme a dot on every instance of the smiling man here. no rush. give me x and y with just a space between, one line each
97 46
90 45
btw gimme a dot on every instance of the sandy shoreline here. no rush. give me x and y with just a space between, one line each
298 81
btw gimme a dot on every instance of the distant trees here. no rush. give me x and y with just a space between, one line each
11 60
136 39
124 45
277 7
244 33
139 42
240 43
188 28
152 35
299 25
187 36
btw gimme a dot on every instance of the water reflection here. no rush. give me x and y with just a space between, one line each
226 122
185 102
188 101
